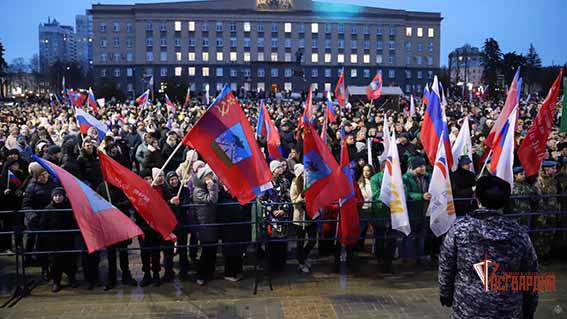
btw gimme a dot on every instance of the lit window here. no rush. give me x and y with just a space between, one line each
205 71
177 25
431 32
314 28
246 56
340 58
233 56
314 57
378 58
366 58
419 32
191 56
287 57
205 56
246 26
328 57
274 57
260 56
287 27
191 26
178 56
288 86
191 71
408 31
219 56
178 71
353 58
353 73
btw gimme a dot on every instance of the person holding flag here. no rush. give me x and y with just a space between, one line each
143 99
416 184
92 100
267 130
169 104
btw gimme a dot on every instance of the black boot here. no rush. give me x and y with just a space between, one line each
56 287
73 282
146 281
157 280
128 280
169 276
110 285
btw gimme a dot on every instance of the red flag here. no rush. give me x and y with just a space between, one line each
224 138
92 100
349 226
324 181
374 89
340 91
101 224
272 134
307 114
149 203
512 100
532 149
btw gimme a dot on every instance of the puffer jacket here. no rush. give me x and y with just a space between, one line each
89 168
481 235
207 196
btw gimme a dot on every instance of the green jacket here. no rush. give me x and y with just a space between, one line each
417 206
379 209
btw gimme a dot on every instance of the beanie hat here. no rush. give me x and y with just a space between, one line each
492 192
197 165
274 165
58 191
156 172
204 171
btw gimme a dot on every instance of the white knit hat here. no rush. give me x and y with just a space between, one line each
274 165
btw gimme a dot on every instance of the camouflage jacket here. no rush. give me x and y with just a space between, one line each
548 186
486 234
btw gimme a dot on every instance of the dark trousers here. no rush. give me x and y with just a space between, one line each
150 253
305 245
349 254
194 242
168 256
182 251
33 243
6 226
63 263
91 267
121 249
277 252
384 241
207 262
232 265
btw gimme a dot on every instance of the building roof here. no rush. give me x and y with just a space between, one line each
287 7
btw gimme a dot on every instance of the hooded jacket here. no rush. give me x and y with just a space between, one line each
207 197
486 234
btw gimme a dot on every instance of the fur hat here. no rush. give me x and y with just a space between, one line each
492 192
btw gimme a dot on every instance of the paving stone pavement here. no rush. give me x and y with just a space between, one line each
410 293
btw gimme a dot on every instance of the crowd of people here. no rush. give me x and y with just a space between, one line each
142 138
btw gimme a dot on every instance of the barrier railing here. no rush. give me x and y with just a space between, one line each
258 232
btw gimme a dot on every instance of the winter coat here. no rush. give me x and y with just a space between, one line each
208 197
89 167
298 200
37 196
233 213
417 206
58 220
177 159
180 212
486 235
153 159
462 182
379 209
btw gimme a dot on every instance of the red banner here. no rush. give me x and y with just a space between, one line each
532 149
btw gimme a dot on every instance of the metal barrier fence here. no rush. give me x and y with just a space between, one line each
259 237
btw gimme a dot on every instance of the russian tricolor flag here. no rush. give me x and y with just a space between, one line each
101 223
331 112
143 99
170 105
502 161
434 126
92 100
87 121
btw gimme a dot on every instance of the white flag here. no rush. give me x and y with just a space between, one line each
392 191
412 106
100 102
462 145
505 164
441 209
385 140
369 147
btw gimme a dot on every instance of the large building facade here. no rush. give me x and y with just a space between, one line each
56 42
262 45
84 39
465 65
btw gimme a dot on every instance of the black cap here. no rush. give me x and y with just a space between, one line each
53 149
464 160
493 192
518 169
58 191
417 162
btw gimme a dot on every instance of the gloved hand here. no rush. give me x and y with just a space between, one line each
446 301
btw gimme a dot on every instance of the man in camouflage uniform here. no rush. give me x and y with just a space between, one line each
560 240
486 235
528 202
549 211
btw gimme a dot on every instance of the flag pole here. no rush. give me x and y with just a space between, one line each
338 221
370 108
168 160
484 165
107 192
